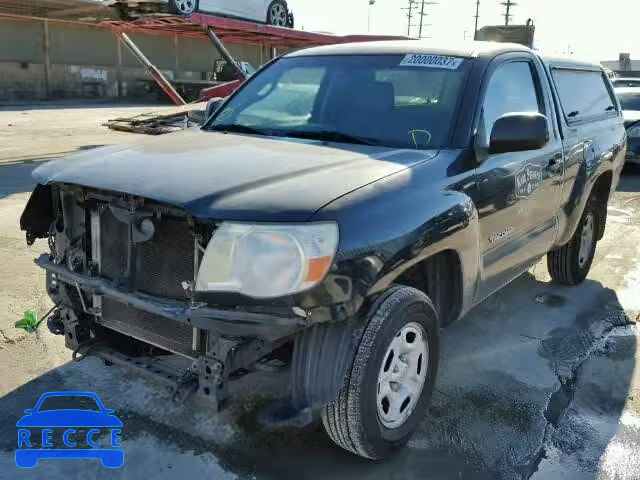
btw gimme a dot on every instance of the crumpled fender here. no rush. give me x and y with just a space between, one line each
38 215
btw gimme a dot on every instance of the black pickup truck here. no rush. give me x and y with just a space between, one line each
331 216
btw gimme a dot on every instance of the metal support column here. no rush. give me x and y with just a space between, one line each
119 82
47 59
157 75
226 55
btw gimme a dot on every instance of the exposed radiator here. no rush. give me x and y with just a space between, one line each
159 331
161 265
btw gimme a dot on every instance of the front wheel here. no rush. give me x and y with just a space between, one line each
570 264
278 14
386 394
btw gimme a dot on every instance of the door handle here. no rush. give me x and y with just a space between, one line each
553 161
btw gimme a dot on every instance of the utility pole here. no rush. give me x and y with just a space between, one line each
421 19
423 3
507 16
412 3
371 3
477 16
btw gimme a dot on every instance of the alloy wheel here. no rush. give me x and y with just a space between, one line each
278 15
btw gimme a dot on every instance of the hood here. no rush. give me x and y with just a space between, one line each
630 117
233 177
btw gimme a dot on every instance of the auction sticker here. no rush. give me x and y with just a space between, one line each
431 61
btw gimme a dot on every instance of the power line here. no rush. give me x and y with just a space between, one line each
507 16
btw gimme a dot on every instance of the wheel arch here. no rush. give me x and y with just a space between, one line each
599 183
602 190
439 276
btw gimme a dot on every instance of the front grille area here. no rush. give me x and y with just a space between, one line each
162 332
161 265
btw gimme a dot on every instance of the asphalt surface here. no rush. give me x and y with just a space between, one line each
539 381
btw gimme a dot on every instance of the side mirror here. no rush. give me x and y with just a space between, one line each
213 105
517 132
29 411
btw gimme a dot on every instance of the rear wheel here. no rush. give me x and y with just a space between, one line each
183 7
570 264
387 392
278 14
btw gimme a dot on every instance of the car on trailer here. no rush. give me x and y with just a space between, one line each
271 12
334 213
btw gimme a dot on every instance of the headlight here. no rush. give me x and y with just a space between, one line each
634 131
267 260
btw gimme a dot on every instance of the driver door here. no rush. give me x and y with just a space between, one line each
224 7
518 192
247 9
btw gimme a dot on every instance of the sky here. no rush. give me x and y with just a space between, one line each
585 28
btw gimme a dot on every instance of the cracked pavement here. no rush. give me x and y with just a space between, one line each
539 381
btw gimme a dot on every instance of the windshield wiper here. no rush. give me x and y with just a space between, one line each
237 128
332 136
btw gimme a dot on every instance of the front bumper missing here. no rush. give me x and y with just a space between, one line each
235 323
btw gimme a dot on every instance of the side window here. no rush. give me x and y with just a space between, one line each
511 89
584 94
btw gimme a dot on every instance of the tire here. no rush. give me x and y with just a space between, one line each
570 264
278 13
123 12
183 7
356 420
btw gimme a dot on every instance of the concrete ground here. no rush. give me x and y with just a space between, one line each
537 382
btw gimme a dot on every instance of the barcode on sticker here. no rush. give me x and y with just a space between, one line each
431 61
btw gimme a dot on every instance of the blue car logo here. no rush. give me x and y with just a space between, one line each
75 428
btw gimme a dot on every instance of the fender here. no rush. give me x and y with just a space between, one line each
394 223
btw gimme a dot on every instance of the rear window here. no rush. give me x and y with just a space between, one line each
584 94
629 100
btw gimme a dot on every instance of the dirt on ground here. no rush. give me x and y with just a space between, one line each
539 381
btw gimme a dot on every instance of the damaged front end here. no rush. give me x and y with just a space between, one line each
122 269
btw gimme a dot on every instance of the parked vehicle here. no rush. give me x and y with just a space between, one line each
630 102
338 210
272 12
625 82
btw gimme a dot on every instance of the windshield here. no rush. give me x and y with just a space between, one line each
629 101
366 99
66 402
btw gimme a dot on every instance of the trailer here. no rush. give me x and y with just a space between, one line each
221 30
